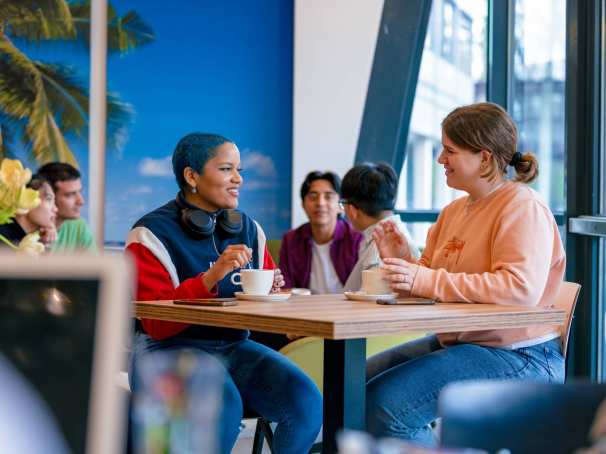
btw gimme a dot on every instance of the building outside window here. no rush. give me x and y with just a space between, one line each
452 67
453 73
537 91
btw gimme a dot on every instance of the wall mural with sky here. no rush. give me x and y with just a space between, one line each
196 65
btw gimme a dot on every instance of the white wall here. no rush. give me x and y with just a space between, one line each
334 44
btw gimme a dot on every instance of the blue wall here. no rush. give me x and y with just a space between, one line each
223 67
215 66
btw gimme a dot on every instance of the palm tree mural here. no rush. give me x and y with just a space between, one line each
43 105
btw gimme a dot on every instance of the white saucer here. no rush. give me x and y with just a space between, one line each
363 296
270 297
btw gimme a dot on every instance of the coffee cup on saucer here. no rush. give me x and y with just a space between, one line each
254 282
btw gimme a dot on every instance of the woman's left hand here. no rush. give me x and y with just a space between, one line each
400 274
278 281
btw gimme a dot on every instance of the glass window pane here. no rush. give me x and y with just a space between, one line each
418 231
453 73
537 95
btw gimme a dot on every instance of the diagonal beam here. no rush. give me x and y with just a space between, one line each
393 82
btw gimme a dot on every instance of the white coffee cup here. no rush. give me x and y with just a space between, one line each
254 282
373 283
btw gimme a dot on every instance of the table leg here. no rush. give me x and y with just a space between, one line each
344 389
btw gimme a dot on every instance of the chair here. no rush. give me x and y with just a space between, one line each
305 352
308 352
522 417
478 414
263 431
567 299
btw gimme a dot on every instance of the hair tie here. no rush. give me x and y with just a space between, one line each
517 157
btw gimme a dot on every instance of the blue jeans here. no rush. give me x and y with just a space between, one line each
260 379
403 383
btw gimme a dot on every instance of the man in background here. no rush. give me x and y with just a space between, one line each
320 254
73 234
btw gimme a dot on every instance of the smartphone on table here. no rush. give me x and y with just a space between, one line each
410 301
207 302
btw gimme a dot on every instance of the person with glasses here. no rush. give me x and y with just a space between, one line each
368 198
320 254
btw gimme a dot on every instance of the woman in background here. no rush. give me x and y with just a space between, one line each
41 218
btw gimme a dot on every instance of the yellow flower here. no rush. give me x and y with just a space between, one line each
28 200
31 244
13 175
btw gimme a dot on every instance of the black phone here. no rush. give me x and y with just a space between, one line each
412 301
207 302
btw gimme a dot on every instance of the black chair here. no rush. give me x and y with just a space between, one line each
519 416
263 432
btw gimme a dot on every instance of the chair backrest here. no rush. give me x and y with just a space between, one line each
567 300
523 417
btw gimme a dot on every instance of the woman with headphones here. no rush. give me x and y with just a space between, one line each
189 248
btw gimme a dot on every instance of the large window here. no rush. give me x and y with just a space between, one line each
537 91
453 73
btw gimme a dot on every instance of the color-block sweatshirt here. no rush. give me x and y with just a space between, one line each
502 249
170 264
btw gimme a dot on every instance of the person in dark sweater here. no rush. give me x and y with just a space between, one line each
41 218
189 248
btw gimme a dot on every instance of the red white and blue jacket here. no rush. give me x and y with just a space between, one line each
170 262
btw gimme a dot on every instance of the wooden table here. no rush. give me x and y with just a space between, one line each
345 325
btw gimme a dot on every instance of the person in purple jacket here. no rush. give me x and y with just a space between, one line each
320 254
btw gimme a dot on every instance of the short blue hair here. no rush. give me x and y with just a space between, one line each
195 150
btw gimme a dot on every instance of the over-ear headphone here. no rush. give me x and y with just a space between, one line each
201 223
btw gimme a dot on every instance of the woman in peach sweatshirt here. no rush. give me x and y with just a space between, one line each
497 245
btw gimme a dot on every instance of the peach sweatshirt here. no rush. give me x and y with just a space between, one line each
501 249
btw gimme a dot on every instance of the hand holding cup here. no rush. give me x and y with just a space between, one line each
400 274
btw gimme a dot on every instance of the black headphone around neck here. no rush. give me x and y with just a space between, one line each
201 223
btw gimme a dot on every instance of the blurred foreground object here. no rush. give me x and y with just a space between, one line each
63 329
178 405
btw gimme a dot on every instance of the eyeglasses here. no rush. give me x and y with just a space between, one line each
343 202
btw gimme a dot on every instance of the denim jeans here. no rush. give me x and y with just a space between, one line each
258 378
403 383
